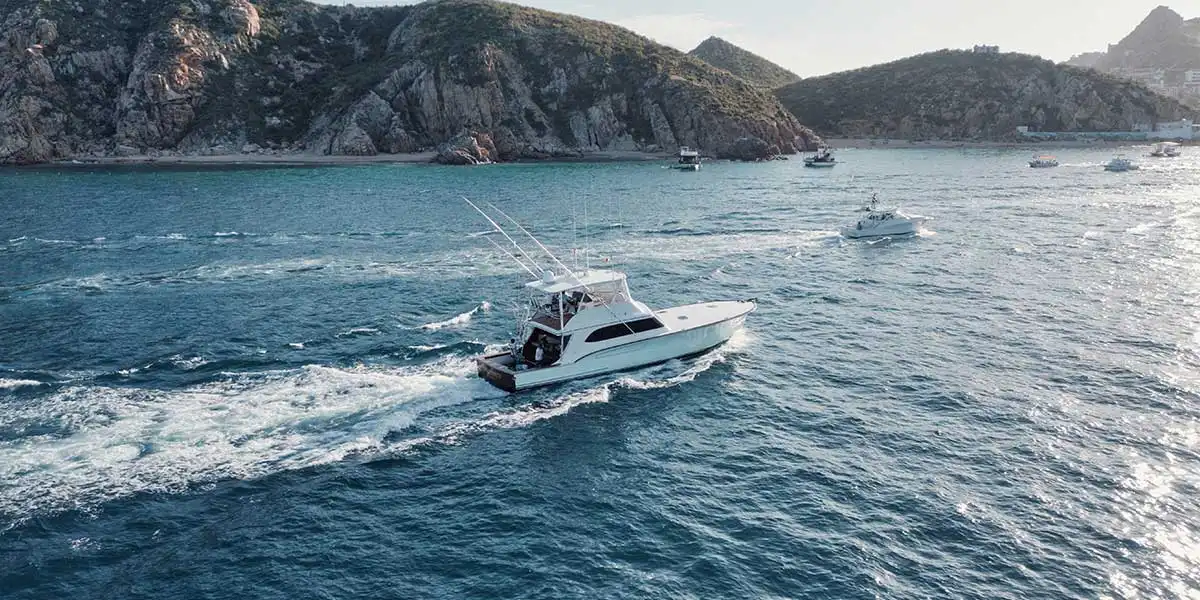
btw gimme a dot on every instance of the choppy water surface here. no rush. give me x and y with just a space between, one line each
257 384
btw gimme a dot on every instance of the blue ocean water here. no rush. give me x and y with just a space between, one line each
257 383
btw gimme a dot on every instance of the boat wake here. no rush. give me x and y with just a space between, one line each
82 445
458 320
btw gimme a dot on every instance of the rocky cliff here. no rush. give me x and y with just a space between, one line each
743 63
477 79
968 96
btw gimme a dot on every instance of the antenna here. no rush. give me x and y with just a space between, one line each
530 235
512 241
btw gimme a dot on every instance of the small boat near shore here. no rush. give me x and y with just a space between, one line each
583 323
687 160
884 223
822 159
1043 162
1119 164
1166 150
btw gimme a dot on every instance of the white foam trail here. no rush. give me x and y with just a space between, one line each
458 320
114 442
358 331
12 384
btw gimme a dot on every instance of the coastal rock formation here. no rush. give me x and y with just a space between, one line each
973 96
475 80
743 63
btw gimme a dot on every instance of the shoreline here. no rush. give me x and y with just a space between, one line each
320 160
897 144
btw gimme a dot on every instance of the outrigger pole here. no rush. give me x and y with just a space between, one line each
511 255
535 240
510 240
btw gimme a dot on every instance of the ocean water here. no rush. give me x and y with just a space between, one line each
256 383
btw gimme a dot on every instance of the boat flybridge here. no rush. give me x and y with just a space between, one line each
880 222
689 159
582 323
1166 150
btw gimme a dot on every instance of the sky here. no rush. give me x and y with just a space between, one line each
816 37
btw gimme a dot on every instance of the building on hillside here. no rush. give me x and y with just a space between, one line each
981 49
1191 77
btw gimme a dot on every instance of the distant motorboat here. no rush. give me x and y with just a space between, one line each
1166 150
1043 162
884 223
689 160
1120 163
823 158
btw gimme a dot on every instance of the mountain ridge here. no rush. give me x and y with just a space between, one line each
743 63
963 95
219 76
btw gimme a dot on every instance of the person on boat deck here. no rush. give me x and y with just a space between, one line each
539 354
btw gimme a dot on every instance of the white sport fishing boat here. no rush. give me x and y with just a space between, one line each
1120 163
1166 150
1043 162
689 160
586 323
884 223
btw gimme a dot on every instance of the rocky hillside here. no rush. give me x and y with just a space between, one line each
743 63
477 79
962 95
1163 40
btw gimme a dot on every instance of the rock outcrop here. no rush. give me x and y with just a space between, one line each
475 80
743 63
968 96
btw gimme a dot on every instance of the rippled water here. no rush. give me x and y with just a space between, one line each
257 383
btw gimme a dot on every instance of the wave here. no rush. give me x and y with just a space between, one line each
458 320
358 331
12 384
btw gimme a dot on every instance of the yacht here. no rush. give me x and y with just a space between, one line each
1043 162
1120 163
579 324
884 223
1165 150
823 158
689 159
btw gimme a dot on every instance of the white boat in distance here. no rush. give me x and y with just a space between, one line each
1043 162
823 158
884 223
586 323
1166 150
1120 163
689 160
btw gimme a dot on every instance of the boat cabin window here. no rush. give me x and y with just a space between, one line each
622 329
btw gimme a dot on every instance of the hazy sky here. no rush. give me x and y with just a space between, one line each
815 37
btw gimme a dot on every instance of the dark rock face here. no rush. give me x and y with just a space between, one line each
82 77
743 63
966 96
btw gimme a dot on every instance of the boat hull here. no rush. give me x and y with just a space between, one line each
901 229
686 167
1120 169
498 369
819 165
